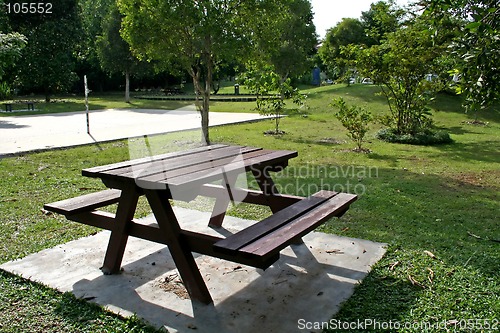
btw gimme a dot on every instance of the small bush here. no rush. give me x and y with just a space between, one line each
425 137
355 119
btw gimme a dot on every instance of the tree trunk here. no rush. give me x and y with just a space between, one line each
206 104
127 86
204 107
47 94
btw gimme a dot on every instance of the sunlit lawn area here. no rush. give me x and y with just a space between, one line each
443 199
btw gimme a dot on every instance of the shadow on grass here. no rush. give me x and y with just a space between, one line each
416 213
485 151
451 103
367 93
53 311
419 212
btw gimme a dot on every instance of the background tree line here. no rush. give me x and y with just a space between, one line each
111 41
86 37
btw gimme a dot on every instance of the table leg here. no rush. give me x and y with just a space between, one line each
119 236
269 190
179 249
222 202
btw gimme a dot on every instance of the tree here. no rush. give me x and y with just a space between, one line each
114 52
285 46
382 18
11 45
92 14
47 62
476 49
272 92
347 32
400 66
192 36
293 41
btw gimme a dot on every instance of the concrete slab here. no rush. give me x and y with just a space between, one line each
28 133
307 284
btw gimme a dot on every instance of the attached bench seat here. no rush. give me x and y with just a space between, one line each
263 241
84 203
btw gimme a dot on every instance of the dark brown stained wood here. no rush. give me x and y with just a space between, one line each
264 227
178 162
251 196
96 218
87 202
198 166
278 239
119 236
93 172
178 247
206 176
199 243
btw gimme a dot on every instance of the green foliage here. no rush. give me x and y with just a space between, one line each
476 49
11 45
293 38
196 37
348 32
400 65
382 18
47 63
272 92
355 119
5 91
424 137
114 52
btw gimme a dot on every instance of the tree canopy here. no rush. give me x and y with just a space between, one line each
114 52
47 62
475 49
196 36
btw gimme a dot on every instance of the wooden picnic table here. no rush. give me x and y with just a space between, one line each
208 171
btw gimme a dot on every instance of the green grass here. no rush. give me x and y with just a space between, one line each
415 198
114 101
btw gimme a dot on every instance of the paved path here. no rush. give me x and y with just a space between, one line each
27 133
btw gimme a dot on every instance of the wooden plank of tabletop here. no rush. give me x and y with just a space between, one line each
94 171
181 162
271 157
209 165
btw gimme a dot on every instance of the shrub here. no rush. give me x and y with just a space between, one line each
425 137
354 118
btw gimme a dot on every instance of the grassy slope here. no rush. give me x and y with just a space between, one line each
415 199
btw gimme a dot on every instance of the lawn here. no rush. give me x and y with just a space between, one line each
436 208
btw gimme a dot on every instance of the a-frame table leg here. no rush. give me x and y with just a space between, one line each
179 249
222 202
118 239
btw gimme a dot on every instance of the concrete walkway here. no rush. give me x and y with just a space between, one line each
306 286
28 133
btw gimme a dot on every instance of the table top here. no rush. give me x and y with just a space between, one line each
190 168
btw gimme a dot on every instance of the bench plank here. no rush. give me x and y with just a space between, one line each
280 238
84 203
260 229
